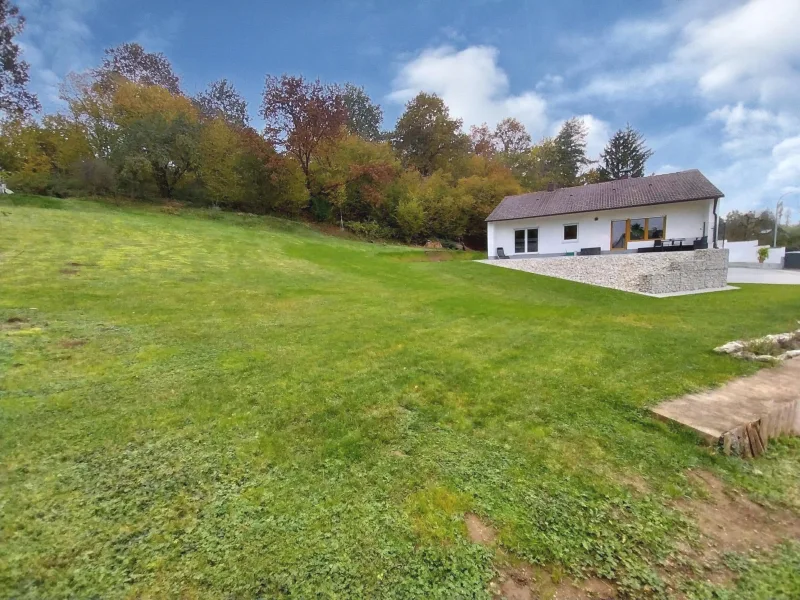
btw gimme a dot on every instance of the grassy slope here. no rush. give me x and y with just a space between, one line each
259 409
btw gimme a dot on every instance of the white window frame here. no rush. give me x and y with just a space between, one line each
524 240
527 240
577 233
526 230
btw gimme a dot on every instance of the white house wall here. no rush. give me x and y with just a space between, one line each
684 220
747 252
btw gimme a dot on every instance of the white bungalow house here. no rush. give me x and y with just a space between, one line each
677 209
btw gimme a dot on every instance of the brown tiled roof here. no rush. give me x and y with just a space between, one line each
622 193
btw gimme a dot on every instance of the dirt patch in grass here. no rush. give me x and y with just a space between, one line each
528 582
479 532
69 271
14 324
729 521
590 588
636 482
516 584
71 343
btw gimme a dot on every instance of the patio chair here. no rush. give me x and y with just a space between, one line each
501 254
658 244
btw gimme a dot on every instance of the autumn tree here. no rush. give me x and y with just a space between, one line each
482 140
221 99
364 117
65 141
15 99
132 101
446 206
426 137
511 137
302 116
218 150
540 166
486 184
353 174
410 217
40 157
132 62
24 157
625 155
269 182
169 146
92 107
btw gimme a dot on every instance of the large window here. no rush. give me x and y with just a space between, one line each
640 230
533 240
655 228
571 232
519 241
526 240
637 229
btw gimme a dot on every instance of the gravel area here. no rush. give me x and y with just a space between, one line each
651 273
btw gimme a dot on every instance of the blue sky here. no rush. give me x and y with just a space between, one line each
713 84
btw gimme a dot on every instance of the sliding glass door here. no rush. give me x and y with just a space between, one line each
619 235
526 240
533 240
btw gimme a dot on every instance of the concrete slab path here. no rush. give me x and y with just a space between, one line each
770 399
774 276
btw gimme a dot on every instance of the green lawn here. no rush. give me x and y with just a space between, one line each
223 406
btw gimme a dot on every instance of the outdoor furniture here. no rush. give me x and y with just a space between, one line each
677 245
658 244
501 254
589 251
701 243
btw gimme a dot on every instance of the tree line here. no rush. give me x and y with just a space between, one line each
738 226
129 129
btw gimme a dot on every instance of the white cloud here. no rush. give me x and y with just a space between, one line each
157 35
742 51
749 131
749 50
733 66
56 41
472 85
599 132
786 172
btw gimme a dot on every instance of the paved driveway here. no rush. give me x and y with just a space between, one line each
781 276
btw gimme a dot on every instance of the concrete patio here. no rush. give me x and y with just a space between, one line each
770 276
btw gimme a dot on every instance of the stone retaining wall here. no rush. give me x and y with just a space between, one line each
650 273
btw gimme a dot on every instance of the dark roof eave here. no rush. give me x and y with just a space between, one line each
577 212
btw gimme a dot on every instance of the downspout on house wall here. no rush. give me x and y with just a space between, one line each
716 221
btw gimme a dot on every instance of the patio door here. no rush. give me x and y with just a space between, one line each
619 235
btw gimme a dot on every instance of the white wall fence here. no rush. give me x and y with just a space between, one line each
747 252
